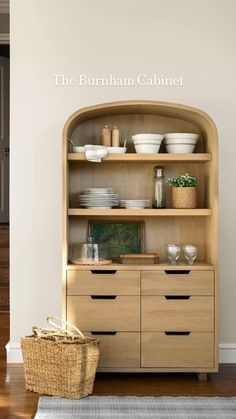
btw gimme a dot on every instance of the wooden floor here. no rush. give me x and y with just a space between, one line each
16 402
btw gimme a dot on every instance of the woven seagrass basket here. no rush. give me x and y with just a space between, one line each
184 197
59 362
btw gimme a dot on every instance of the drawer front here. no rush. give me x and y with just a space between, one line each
119 314
195 350
191 314
103 282
118 350
174 283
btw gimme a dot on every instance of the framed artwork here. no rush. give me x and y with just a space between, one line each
120 236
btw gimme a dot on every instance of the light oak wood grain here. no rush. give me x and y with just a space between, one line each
198 266
193 314
119 351
190 283
120 314
122 212
189 351
118 283
143 158
132 177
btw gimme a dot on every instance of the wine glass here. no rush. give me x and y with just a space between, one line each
173 252
190 253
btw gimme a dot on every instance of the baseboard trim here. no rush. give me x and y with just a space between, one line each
227 353
14 354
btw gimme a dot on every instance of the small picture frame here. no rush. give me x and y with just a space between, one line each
121 237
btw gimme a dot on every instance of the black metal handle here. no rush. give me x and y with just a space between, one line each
181 272
177 297
104 333
170 333
102 272
103 297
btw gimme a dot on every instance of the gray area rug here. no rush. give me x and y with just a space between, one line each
96 407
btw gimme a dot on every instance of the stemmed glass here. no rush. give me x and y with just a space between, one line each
173 252
190 253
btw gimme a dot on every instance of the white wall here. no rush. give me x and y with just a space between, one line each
192 38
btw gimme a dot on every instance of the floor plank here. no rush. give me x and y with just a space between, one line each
16 402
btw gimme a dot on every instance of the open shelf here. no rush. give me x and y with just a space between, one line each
197 266
144 158
150 212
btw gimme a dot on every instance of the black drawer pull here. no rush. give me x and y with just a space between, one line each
103 297
177 297
173 272
104 333
102 272
177 333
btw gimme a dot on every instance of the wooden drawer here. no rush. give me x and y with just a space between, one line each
191 314
101 314
103 282
119 350
177 282
195 350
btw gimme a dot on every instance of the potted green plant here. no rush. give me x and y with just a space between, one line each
184 194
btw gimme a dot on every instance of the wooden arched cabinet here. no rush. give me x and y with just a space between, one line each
163 318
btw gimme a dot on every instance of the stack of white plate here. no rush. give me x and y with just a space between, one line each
135 203
98 198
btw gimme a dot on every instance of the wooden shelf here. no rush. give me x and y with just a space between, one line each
198 266
144 158
150 212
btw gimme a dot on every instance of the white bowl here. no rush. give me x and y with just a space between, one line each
148 137
180 143
147 148
116 150
180 148
147 141
78 149
182 135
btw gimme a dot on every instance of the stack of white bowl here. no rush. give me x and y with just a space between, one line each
135 203
147 143
180 143
98 198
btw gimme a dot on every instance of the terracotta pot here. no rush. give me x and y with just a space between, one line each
184 197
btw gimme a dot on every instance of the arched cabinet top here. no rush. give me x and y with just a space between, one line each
197 117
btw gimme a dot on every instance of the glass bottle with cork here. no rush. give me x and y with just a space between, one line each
159 199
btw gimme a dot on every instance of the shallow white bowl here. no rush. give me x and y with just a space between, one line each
148 137
116 150
78 149
147 148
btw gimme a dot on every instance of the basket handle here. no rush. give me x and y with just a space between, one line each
51 319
